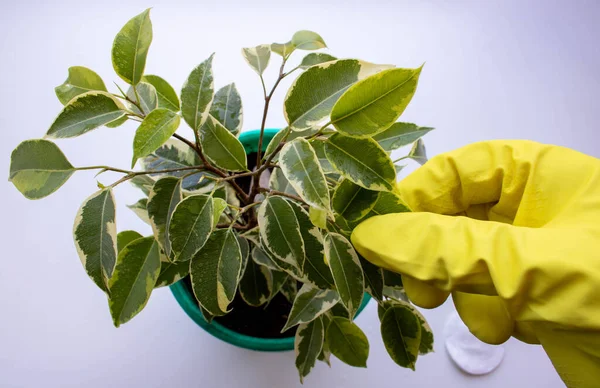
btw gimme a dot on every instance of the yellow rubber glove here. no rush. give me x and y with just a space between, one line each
512 230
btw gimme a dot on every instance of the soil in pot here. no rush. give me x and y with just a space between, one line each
262 322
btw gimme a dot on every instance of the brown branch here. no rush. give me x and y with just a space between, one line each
283 194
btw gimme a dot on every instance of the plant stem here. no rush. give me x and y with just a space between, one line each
186 141
107 168
319 132
399 159
283 194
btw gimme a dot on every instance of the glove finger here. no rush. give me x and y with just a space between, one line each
423 294
486 316
525 332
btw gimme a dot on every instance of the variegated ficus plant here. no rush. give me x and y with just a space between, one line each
329 169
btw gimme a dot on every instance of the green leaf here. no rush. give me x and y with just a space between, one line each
318 217
301 167
80 80
85 112
227 108
256 284
392 279
308 40
316 270
375 103
280 231
352 201
219 205
279 279
283 49
426 345
190 226
373 279
167 96
346 270
154 131
401 333
125 237
315 59
95 235
130 48
143 182
261 258
288 268
165 195
278 182
417 153
319 147
214 271
175 154
140 210
275 141
362 161
313 94
197 94
148 97
252 235
309 304
389 203
257 57
221 147
38 168
171 273
137 269
399 135
347 342
116 123
307 346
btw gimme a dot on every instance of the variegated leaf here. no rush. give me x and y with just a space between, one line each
283 49
325 354
418 153
301 167
125 237
347 342
85 112
346 270
280 231
318 217
401 333
190 226
154 131
214 271
130 48
319 147
221 147
80 80
219 206
143 182
197 94
278 182
147 96
315 59
307 346
167 97
352 201
399 135
174 154
227 108
171 273
95 236
38 168
257 57
362 161
165 195
252 235
290 289
308 40
140 209
245 251
311 97
260 257
256 284
316 270
372 105
309 304
426 344
373 279
293 271
279 279
138 267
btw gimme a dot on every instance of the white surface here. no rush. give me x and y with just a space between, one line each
495 69
467 351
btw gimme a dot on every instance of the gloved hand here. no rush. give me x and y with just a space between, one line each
512 230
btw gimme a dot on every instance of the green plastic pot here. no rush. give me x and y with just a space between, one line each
188 302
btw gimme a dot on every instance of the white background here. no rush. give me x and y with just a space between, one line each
494 69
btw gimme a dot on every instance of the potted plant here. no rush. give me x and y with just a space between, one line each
251 230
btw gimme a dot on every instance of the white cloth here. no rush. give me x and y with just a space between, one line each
469 353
